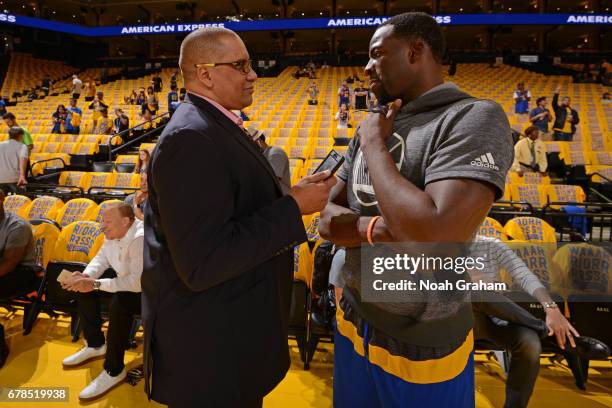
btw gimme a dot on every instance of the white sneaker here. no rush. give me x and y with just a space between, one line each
101 385
84 354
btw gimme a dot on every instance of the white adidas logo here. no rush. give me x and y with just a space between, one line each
486 160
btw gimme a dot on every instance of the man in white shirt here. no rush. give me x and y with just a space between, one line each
123 252
77 86
13 160
530 153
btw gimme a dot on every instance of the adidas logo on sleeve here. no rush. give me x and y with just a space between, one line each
486 160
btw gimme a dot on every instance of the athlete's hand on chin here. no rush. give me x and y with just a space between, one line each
378 126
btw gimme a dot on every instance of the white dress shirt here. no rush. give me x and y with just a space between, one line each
125 256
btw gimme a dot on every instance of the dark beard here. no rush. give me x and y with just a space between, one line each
384 97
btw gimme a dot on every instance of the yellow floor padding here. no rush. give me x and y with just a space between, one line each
36 361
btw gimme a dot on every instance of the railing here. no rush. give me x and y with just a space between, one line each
44 161
135 140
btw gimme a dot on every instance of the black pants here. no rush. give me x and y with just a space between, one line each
8 188
520 333
17 282
123 307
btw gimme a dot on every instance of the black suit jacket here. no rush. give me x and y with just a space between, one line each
218 264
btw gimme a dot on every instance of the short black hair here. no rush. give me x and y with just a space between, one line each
414 25
540 99
8 116
14 132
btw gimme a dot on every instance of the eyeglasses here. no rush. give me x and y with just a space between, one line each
243 65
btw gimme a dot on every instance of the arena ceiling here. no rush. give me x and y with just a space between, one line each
112 12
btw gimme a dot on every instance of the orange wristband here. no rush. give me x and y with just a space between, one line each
371 229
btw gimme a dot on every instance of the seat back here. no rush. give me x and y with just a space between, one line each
492 228
45 207
103 167
564 193
78 242
587 268
530 229
538 257
17 204
45 237
78 209
97 216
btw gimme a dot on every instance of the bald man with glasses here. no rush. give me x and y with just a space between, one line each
219 241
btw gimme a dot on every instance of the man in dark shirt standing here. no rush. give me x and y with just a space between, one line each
17 261
157 83
540 117
361 94
410 173
566 118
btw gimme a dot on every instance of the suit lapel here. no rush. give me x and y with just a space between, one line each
236 133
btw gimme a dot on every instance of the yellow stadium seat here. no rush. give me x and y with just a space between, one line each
586 268
45 237
44 207
17 204
97 217
528 178
78 209
530 193
93 182
564 193
303 264
147 146
492 228
539 259
530 229
78 242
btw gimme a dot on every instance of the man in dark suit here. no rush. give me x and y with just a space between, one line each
219 241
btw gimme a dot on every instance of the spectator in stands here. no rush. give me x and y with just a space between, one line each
103 125
249 244
530 154
605 98
143 161
11 121
519 332
17 260
343 117
59 119
90 90
313 93
172 99
138 199
77 87
121 122
97 105
566 118
277 158
46 84
141 98
157 83
521 97
151 94
150 106
173 79
123 252
344 94
361 96
2 107
13 160
73 120
131 100
540 116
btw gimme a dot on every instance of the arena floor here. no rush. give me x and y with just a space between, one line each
35 361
